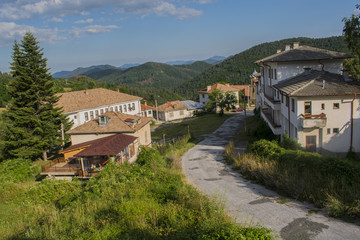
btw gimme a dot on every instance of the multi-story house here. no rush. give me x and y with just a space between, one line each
235 89
83 106
304 93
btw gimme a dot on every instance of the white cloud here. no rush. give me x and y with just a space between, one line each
89 20
25 9
92 29
56 19
10 31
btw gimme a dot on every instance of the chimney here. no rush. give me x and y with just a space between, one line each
145 102
296 45
287 47
208 88
323 86
117 90
278 51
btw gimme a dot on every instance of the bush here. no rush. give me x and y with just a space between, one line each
289 143
17 170
329 182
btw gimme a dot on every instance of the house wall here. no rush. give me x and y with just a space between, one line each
80 138
173 115
203 98
78 117
144 135
147 113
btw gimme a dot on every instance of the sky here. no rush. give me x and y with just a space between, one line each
82 33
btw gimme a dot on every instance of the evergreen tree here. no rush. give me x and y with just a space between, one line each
33 123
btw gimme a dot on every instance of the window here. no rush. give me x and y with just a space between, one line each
171 114
323 106
336 105
120 109
75 117
133 107
91 115
296 133
149 112
293 105
307 108
129 107
86 116
335 130
96 113
329 131
125 110
203 95
287 101
101 111
275 73
111 109
106 109
115 109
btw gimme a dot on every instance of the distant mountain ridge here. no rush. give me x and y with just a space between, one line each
97 68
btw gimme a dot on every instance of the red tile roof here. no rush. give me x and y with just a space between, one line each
146 107
107 146
91 98
171 106
223 88
118 123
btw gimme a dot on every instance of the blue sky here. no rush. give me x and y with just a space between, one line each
80 33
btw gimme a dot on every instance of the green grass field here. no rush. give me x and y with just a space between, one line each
205 124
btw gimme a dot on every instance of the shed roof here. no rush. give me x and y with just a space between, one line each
191 105
107 146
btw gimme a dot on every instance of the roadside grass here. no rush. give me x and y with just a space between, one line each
205 124
331 183
146 200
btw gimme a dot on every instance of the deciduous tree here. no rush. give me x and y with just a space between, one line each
223 101
351 32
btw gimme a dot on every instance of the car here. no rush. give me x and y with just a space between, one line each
239 109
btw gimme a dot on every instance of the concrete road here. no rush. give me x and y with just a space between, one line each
253 204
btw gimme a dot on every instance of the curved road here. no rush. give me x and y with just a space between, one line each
253 204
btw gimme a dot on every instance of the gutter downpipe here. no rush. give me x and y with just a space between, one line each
289 114
352 123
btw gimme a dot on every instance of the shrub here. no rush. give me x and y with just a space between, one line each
289 143
17 170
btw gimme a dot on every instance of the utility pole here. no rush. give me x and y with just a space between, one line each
157 112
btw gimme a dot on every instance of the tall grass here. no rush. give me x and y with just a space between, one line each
146 200
330 182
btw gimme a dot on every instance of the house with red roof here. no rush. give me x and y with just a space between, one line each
87 159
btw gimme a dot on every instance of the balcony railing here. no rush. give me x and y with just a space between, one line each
274 104
276 129
313 121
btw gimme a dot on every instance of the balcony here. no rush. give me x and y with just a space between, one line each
275 128
312 121
274 104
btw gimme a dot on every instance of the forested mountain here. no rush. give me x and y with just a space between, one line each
83 71
237 69
151 74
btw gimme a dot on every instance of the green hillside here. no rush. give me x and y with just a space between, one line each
237 69
89 70
151 74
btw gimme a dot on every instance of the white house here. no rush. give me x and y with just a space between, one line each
83 106
303 92
204 93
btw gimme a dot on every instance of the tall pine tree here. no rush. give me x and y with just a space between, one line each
33 122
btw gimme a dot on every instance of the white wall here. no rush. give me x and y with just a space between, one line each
79 117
